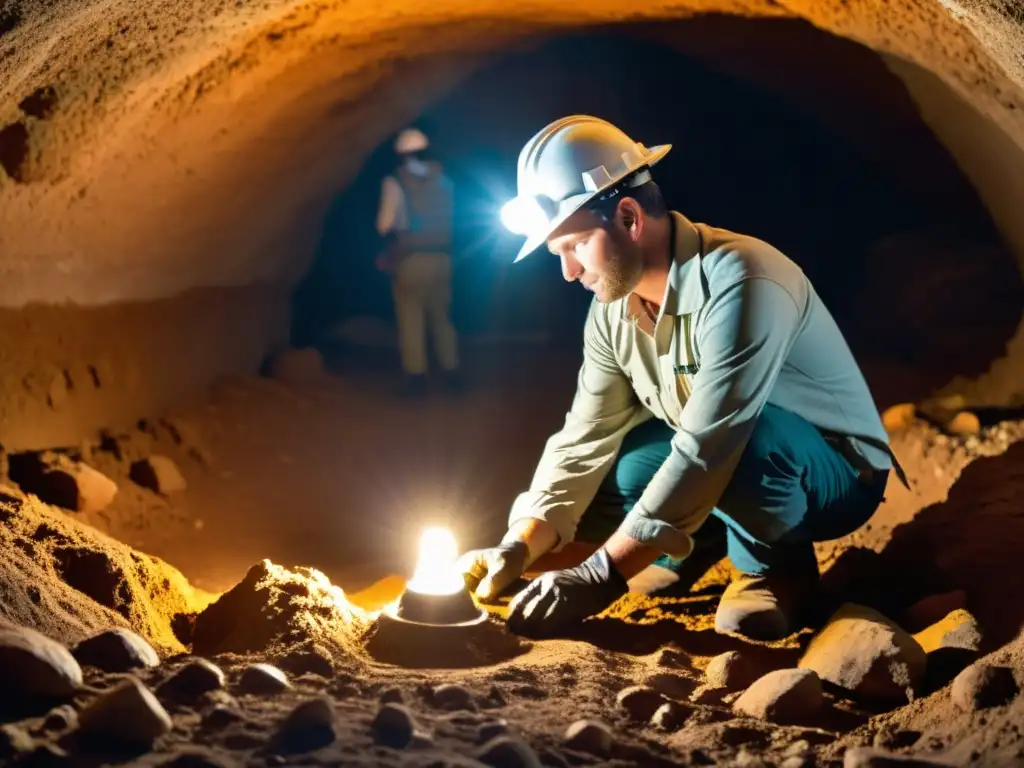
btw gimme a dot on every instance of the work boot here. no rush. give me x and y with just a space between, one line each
765 607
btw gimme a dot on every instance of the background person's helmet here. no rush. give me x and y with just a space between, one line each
566 165
411 140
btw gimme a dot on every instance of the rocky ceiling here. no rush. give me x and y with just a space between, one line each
148 148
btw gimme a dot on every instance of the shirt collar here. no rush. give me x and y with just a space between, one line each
686 290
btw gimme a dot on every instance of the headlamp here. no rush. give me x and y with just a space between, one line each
527 214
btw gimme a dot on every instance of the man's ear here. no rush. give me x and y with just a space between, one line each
631 216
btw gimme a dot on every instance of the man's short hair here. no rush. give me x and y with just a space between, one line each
648 196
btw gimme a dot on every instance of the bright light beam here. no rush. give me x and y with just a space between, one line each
436 571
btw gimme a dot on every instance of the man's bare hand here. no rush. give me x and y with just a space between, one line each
489 571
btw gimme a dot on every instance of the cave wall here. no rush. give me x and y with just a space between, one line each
149 149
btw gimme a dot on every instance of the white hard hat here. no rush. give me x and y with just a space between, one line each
411 140
565 166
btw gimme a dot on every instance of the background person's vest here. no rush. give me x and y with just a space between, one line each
429 207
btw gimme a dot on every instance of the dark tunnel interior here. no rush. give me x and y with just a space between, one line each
744 159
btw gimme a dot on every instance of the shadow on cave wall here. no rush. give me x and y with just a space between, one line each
891 266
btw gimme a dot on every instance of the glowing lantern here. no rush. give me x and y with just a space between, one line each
436 572
436 593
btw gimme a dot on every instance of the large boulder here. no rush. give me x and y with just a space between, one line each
862 651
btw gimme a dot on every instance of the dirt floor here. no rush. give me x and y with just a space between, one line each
305 498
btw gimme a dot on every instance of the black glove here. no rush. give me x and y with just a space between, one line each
558 600
489 571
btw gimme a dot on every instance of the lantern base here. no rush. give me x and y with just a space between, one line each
456 609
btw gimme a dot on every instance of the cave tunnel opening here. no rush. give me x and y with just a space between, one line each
783 132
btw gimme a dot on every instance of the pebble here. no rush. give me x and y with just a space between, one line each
33 666
639 702
958 629
783 696
159 474
508 752
61 718
983 685
591 736
671 685
14 740
193 680
730 670
307 727
900 739
673 659
869 757
747 759
453 697
116 650
263 680
899 417
863 651
798 761
128 713
393 726
964 424
670 716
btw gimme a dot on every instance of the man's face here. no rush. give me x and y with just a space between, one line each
602 256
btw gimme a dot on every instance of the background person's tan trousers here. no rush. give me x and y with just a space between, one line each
422 291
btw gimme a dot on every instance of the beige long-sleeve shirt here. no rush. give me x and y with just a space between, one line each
740 326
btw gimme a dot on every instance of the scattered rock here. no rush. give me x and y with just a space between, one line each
59 480
591 736
392 696
869 757
866 653
639 702
671 685
298 366
959 629
453 697
672 659
896 418
800 748
931 609
492 730
61 718
193 680
798 761
730 670
307 727
671 716
963 424
508 752
983 685
116 650
393 726
14 741
159 474
128 713
262 680
33 666
782 696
